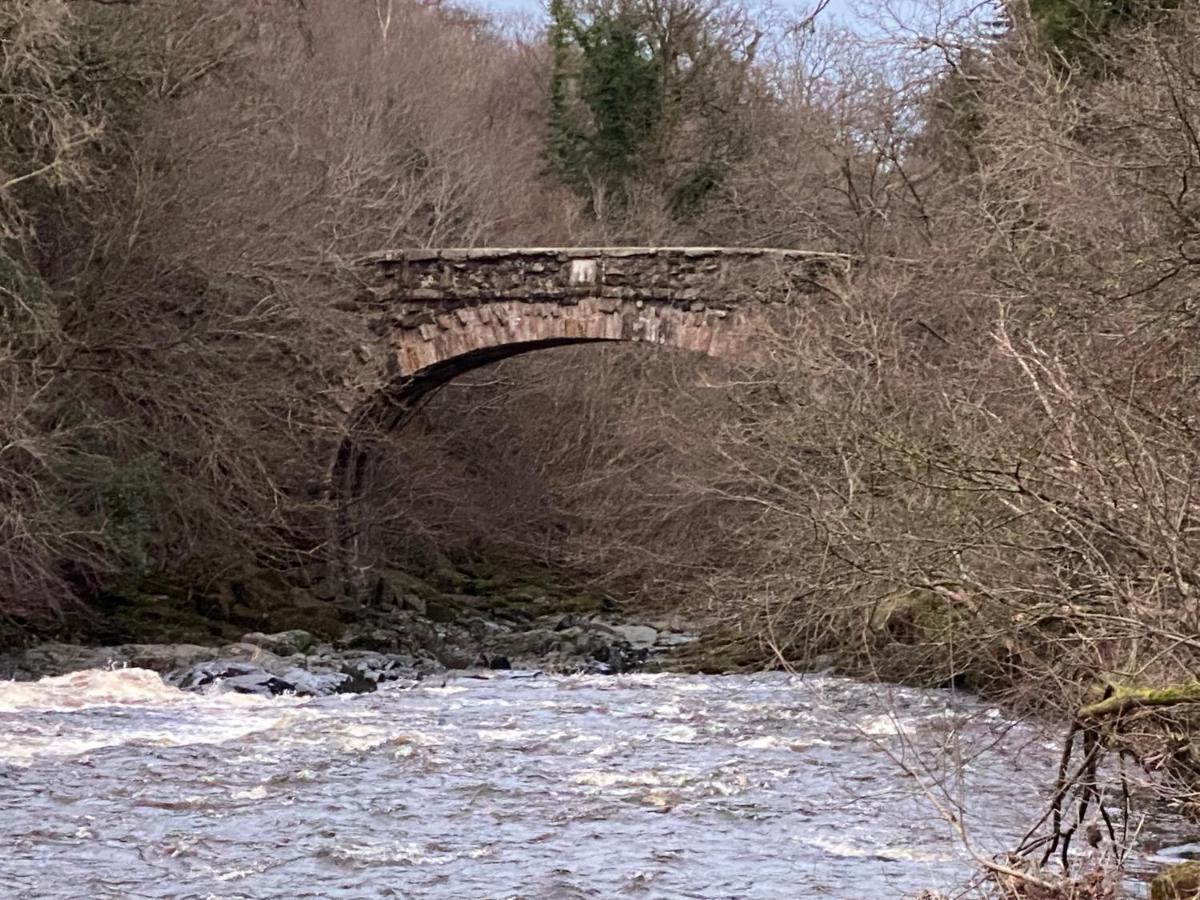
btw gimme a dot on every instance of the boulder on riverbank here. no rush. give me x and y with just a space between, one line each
467 631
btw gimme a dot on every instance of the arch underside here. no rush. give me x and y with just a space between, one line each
429 350
396 404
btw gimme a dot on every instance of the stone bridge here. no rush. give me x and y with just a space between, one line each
435 314
444 312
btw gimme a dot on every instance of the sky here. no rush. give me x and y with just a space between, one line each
841 10
852 14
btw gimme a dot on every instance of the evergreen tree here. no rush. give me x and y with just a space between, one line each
603 102
618 83
643 92
564 136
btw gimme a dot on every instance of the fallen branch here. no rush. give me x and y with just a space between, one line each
1125 700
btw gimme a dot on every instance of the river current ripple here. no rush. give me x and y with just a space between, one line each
507 786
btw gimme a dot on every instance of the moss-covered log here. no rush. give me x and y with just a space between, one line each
1131 699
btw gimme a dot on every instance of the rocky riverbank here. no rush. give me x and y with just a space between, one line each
412 628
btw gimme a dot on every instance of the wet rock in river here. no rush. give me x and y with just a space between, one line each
457 658
367 670
379 639
345 671
250 678
620 657
53 659
535 642
162 658
244 652
639 637
282 643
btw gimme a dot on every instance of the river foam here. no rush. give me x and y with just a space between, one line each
768 786
71 715
90 687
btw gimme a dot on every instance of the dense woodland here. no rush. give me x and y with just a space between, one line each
974 458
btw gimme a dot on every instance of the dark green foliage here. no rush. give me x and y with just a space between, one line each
564 133
1079 32
611 70
1071 27
619 84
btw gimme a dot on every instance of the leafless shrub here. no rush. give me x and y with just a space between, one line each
47 135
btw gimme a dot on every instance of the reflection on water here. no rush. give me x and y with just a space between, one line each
767 786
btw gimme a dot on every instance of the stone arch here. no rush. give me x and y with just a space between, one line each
420 359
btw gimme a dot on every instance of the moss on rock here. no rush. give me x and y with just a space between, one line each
401 582
567 604
443 608
302 612
130 614
164 609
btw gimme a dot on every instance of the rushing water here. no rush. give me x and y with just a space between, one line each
771 786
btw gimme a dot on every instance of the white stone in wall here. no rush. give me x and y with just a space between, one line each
583 271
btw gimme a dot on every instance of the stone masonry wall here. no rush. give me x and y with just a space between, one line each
435 305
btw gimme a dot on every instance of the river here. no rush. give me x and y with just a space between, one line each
114 785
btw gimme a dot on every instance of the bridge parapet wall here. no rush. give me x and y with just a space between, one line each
716 276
